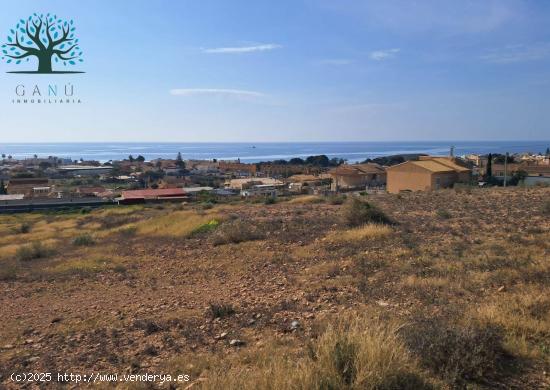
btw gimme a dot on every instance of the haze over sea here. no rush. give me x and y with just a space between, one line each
254 152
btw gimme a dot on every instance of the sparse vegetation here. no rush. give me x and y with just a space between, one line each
459 355
235 232
365 232
336 199
207 227
221 310
32 251
84 240
300 298
443 214
357 212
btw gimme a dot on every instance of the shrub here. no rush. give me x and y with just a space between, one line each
83 240
457 354
221 310
546 207
129 231
23 228
148 326
206 205
32 252
443 214
357 212
336 199
235 232
270 200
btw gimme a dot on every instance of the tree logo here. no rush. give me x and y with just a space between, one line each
46 37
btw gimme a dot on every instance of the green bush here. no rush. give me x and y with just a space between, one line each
357 212
83 240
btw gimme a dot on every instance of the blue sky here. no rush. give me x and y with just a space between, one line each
292 70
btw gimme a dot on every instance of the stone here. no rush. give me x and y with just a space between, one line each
236 343
294 325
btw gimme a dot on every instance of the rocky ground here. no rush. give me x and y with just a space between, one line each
127 298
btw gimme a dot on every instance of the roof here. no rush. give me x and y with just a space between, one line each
357 169
153 193
196 189
447 161
433 164
27 181
91 190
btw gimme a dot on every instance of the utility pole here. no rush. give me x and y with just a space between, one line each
505 168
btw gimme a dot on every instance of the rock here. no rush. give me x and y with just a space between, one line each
55 320
33 359
294 325
7 346
382 303
501 289
251 322
236 343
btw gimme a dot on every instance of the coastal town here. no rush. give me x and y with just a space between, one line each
53 182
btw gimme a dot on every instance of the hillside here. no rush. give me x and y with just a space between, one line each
453 291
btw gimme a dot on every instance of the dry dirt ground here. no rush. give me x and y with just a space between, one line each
168 289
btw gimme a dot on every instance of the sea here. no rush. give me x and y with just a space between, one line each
255 152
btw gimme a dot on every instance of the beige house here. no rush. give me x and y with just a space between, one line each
357 176
427 173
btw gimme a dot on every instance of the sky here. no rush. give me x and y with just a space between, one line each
290 70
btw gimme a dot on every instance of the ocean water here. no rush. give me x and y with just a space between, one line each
254 152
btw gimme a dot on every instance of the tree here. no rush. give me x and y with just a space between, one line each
2 188
548 151
45 37
140 158
131 158
489 171
296 161
3 156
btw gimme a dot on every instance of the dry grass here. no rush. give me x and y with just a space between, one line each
369 231
306 199
175 224
355 352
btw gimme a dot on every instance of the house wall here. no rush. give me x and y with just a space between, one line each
443 180
408 177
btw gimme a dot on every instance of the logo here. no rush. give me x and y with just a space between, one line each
47 38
